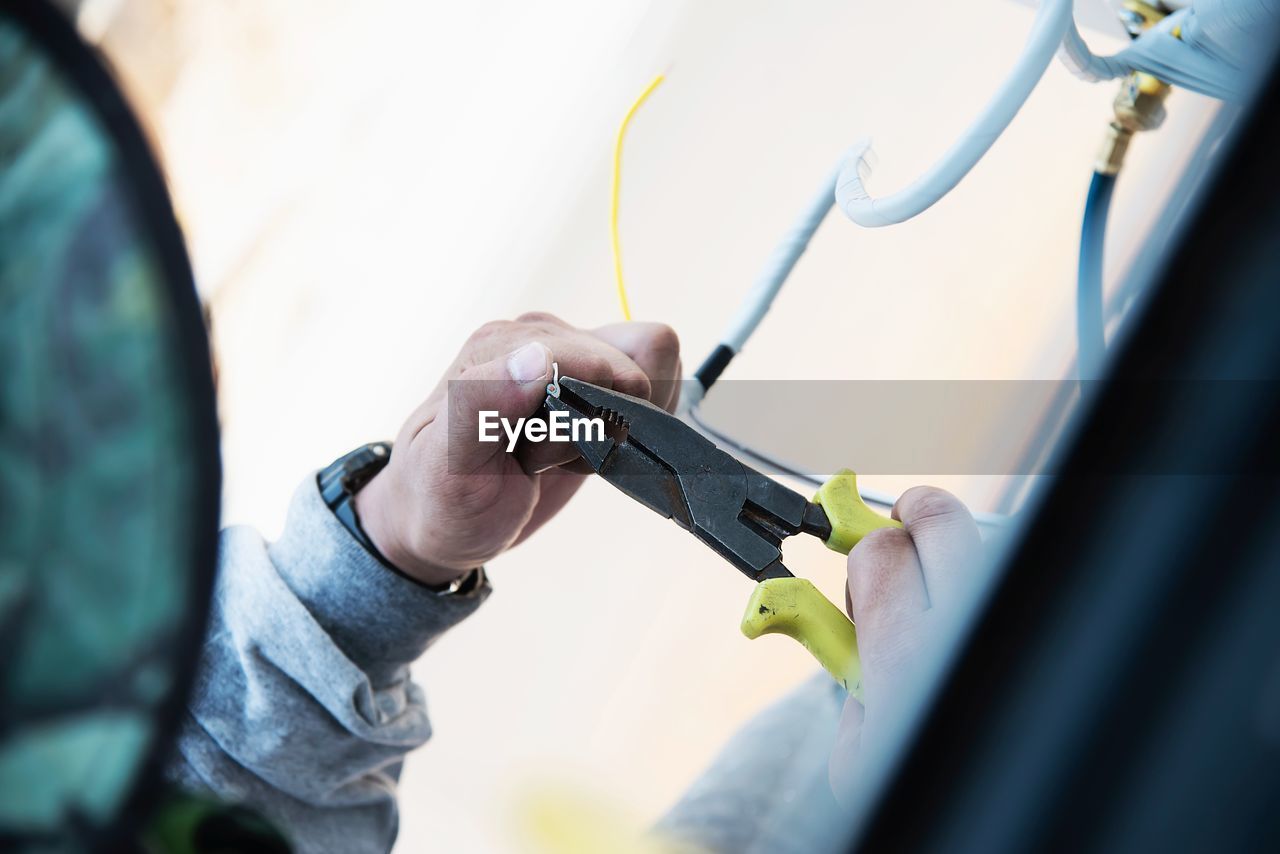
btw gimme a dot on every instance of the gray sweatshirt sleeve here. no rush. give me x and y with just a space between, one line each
303 707
767 791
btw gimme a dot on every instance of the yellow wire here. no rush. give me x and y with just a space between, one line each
616 193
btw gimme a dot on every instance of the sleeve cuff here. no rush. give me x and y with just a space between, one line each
380 619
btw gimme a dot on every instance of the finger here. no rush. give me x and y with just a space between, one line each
886 585
945 537
544 319
510 388
498 337
655 348
570 346
673 396
586 359
889 604
628 377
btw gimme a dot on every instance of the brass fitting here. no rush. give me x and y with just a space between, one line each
1115 144
1139 105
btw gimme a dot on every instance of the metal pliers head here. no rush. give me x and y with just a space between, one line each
669 467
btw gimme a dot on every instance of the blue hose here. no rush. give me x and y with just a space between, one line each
1091 346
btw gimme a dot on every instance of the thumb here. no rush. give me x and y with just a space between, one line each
511 388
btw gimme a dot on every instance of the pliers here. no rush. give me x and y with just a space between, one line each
744 516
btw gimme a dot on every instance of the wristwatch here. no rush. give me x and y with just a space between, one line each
344 477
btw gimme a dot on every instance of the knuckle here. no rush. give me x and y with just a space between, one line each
633 382
597 367
665 343
631 378
923 503
540 318
488 331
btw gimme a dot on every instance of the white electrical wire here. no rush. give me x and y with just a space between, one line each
779 265
755 305
1206 56
1053 18
1087 65
777 268
1215 35
1217 38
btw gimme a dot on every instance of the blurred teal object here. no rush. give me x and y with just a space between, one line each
109 478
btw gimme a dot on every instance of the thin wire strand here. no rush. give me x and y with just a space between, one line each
871 496
615 194
777 465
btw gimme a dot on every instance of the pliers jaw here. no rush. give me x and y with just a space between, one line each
617 456
744 516
669 467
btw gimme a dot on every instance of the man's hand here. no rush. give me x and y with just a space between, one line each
898 578
447 502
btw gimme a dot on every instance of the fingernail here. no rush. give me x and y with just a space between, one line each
529 363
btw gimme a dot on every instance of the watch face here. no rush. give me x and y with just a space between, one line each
108 455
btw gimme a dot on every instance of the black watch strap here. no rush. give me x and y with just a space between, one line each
344 477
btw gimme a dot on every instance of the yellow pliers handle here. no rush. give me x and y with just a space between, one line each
794 607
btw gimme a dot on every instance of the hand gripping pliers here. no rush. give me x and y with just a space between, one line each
744 516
